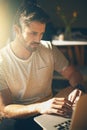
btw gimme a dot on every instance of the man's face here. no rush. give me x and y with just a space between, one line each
31 35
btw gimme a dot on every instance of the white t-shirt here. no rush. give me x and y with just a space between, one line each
30 80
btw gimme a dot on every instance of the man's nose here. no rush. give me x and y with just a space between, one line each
38 38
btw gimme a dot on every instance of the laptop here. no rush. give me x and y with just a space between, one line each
77 122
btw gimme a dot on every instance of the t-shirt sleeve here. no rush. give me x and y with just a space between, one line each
60 61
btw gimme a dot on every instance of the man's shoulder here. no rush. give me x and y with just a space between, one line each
45 48
47 45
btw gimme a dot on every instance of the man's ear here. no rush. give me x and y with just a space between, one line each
17 29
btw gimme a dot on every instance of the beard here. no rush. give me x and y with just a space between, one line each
32 46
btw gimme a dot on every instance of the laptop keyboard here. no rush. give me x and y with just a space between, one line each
63 126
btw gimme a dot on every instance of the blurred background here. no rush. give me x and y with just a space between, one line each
9 7
69 8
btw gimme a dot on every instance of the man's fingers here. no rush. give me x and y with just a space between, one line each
72 97
64 112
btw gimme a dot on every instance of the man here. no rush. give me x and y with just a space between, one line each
26 71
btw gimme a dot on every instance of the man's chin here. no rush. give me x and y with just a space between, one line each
32 49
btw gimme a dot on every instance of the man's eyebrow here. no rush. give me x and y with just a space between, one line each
37 32
34 31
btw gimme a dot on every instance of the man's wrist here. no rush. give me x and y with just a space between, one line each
80 87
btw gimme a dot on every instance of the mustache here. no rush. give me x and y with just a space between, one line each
32 43
35 43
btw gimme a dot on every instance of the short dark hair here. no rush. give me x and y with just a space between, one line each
28 12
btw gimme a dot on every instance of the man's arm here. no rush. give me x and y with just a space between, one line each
76 81
60 106
10 110
74 76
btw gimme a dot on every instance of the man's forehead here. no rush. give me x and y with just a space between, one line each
34 26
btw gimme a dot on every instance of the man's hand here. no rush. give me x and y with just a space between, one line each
75 95
59 106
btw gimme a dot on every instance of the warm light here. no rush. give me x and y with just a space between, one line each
75 14
4 24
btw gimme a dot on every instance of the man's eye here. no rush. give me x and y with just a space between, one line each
34 33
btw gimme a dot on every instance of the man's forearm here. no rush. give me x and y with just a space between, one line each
73 75
20 111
